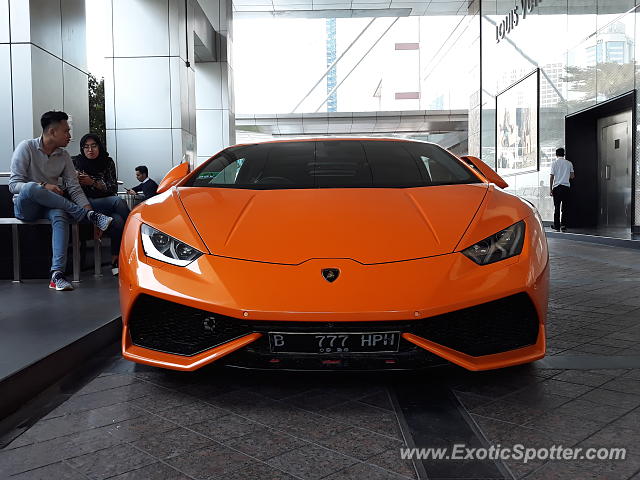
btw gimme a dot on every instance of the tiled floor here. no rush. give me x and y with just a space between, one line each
142 423
136 422
594 305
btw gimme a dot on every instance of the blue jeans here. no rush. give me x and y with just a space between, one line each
116 208
35 202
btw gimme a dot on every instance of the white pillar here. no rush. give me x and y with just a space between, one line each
150 85
43 66
214 85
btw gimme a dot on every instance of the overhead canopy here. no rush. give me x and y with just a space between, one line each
355 123
342 9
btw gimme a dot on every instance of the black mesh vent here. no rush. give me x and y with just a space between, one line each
173 328
493 327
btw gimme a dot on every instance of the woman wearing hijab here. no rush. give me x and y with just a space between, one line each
97 177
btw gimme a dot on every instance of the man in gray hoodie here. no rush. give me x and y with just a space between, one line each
36 167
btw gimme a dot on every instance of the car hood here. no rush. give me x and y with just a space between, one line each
369 225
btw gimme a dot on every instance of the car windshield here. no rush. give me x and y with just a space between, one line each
333 164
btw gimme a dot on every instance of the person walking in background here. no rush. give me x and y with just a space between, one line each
99 182
147 186
561 174
36 166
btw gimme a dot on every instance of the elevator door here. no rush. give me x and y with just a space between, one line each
614 165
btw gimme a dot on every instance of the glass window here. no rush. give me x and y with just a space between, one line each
391 164
341 163
439 166
615 52
333 164
228 174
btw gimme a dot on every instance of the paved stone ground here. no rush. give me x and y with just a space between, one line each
135 422
148 424
594 305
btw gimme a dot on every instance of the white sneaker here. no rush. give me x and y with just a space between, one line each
58 282
99 220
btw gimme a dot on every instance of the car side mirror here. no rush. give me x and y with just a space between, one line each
174 175
485 170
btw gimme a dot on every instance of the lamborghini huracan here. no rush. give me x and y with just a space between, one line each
334 254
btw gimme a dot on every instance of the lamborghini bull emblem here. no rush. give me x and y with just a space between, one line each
330 274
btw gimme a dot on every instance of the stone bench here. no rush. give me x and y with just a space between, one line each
75 244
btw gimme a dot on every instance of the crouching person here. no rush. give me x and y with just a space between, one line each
36 166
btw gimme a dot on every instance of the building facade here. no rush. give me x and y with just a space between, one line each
169 77
536 75
43 66
168 69
581 59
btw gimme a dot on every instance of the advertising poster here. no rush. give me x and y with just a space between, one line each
517 127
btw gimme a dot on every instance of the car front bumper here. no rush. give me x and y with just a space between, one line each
446 308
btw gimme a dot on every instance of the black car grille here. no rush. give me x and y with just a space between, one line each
173 328
493 327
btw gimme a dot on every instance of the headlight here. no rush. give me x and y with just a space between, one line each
504 244
165 248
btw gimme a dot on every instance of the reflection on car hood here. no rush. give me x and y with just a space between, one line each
369 225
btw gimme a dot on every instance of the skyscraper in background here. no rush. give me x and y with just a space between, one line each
332 102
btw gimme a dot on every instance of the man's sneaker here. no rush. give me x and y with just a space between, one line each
99 220
114 268
563 229
59 282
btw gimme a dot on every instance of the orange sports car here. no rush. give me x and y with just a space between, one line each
334 254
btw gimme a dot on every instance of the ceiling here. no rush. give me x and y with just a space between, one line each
354 123
342 8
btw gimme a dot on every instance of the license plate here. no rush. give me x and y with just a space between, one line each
334 342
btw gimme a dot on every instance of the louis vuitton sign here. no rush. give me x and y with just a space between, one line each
512 19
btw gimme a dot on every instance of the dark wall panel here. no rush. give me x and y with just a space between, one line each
582 149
